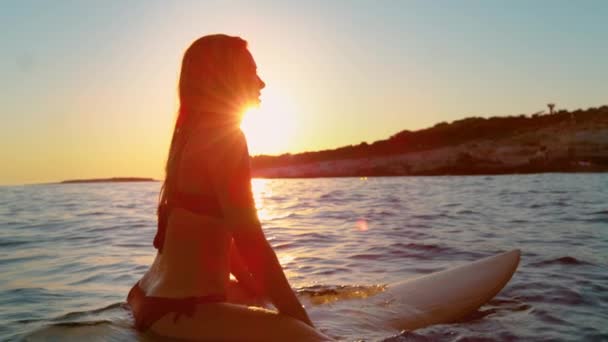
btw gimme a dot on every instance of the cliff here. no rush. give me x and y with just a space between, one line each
561 142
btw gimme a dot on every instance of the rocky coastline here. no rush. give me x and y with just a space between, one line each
559 142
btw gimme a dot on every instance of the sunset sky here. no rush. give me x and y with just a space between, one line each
88 88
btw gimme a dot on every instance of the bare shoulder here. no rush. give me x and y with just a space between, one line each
217 142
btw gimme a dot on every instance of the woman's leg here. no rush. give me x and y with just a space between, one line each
225 321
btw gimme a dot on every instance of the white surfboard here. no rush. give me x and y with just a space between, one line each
446 296
441 297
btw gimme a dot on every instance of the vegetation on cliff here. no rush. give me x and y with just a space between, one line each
443 135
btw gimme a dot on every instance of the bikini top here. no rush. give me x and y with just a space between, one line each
199 204
202 204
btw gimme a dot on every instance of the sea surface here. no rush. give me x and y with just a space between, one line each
70 252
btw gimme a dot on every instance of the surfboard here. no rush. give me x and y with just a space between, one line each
440 297
445 296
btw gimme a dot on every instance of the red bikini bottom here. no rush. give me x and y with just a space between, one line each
149 309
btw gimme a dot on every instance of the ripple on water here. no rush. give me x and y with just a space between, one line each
565 260
13 242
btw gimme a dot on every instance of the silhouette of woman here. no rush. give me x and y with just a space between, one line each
207 222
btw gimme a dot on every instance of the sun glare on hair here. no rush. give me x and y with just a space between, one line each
269 127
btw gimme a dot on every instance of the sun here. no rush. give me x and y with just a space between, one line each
269 128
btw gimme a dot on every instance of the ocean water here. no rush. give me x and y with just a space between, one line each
69 253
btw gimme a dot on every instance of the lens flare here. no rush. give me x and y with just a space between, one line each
270 127
361 225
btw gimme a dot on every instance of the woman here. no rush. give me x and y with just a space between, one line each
207 222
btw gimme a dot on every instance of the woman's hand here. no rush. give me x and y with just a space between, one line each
239 270
267 272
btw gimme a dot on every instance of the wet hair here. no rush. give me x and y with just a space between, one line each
210 87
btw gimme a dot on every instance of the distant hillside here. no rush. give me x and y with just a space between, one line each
537 143
109 180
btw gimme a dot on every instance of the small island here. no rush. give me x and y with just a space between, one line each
109 180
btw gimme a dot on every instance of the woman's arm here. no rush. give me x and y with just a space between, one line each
228 166
267 271
239 270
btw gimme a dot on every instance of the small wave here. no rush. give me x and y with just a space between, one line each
566 260
61 331
314 239
555 296
29 291
283 245
111 322
324 294
332 194
495 306
12 223
425 217
12 243
293 215
381 214
78 314
96 330
393 199
89 280
331 271
133 246
126 206
419 246
91 213
400 250
418 250
600 212
368 256
598 219
467 212
548 317
80 324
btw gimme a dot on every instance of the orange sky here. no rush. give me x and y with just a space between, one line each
89 89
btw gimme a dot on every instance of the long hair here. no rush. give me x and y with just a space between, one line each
210 86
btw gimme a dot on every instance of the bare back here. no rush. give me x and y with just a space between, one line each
195 257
